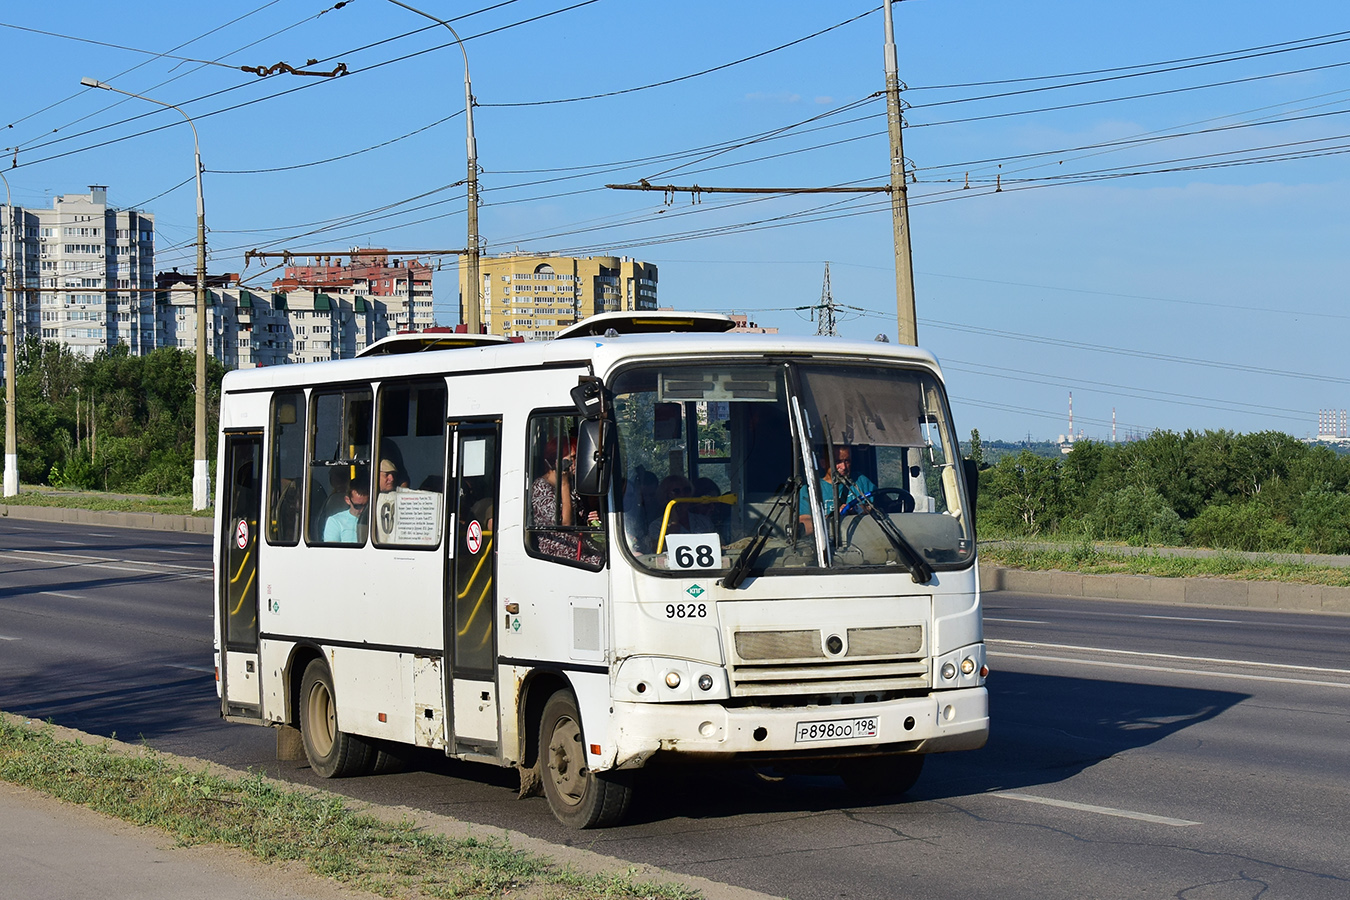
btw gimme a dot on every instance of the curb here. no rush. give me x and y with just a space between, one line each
585 861
1272 595
146 521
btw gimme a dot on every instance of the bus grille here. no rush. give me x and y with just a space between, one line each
887 658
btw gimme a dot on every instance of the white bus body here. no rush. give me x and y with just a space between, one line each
721 599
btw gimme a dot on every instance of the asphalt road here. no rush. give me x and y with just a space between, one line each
1137 751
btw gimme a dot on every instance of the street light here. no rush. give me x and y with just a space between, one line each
472 307
11 429
201 479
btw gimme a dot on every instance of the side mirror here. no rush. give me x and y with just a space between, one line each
972 473
595 455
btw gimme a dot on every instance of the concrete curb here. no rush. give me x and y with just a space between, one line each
1210 592
584 861
146 521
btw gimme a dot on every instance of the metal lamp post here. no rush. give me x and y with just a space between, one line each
11 427
472 306
201 479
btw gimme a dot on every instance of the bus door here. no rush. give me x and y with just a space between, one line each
471 589
241 494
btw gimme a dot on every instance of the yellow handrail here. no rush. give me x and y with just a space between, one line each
729 499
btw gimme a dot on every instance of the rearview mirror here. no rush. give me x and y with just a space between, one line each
595 454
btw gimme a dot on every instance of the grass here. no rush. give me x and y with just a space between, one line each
281 823
37 495
1084 557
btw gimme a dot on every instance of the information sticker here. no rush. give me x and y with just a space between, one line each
690 552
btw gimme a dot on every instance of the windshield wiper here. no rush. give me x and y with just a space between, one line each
919 569
741 567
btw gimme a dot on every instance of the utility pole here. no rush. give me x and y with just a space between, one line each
11 430
825 321
904 264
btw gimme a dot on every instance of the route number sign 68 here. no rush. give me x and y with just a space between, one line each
691 552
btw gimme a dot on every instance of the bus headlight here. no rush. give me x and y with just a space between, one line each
662 679
948 671
967 666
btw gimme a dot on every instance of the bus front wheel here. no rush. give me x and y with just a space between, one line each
578 796
332 752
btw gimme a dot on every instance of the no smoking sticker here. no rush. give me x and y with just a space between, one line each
241 534
473 537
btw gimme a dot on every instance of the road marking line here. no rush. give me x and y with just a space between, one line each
1016 621
209 670
1183 658
1172 671
1250 623
1195 619
5 637
63 594
71 543
1102 810
148 567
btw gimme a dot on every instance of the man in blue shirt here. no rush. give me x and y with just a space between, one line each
832 490
348 526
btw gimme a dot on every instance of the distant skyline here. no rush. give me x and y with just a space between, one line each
1154 218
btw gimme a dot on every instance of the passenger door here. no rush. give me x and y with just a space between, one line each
241 492
472 587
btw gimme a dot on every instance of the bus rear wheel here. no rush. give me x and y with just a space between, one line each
882 776
578 796
332 752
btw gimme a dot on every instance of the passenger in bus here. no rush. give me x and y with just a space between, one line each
545 508
832 490
348 526
388 476
684 519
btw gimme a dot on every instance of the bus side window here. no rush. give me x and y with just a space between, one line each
409 467
559 525
287 471
339 469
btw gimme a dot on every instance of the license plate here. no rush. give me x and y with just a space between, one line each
837 730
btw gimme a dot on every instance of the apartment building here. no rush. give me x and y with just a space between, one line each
535 295
84 272
401 286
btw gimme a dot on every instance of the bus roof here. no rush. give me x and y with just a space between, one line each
599 354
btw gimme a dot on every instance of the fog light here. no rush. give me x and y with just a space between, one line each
967 666
705 682
672 680
707 729
949 713
948 671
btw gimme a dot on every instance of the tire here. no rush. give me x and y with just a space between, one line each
578 797
332 753
881 776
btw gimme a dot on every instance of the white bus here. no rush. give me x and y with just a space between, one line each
645 540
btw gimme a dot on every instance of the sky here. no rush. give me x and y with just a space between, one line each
1141 204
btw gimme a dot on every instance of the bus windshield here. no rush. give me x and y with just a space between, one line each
813 465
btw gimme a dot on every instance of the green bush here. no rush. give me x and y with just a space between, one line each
1242 526
1323 521
1136 515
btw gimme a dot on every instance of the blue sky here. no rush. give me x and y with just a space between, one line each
1119 261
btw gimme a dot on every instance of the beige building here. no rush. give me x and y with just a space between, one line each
535 295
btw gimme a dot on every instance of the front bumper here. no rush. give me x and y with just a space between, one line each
939 722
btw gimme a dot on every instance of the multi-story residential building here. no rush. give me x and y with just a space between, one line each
535 295
248 328
86 271
401 286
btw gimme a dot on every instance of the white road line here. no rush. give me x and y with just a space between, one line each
63 594
1194 619
187 552
1255 623
209 670
1204 659
71 543
1016 621
116 565
1100 810
5 637
1174 671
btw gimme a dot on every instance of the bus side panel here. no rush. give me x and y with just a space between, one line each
372 685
